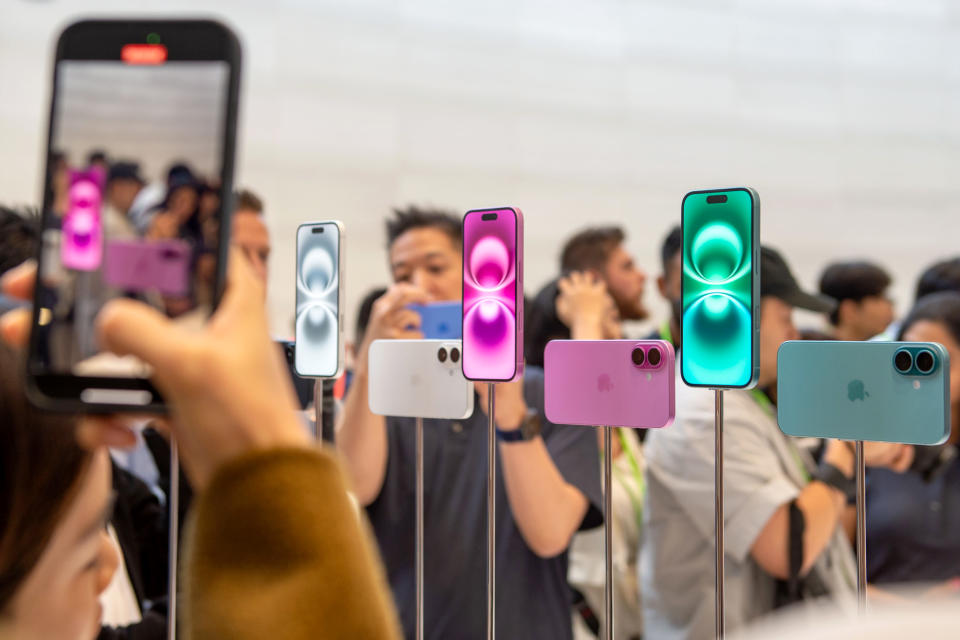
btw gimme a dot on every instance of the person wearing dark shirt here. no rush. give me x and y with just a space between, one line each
913 518
548 481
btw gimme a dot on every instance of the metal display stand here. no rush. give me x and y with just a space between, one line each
861 530
173 542
491 511
718 509
607 534
418 547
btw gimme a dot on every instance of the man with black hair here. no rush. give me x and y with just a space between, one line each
863 307
547 475
940 276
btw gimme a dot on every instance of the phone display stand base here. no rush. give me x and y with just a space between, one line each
718 511
173 542
418 549
861 474
607 534
491 511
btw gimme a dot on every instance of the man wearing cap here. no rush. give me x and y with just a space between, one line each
131 196
783 514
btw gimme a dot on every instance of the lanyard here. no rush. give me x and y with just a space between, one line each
635 496
764 403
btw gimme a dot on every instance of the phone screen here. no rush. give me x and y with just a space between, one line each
490 294
140 151
718 288
318 295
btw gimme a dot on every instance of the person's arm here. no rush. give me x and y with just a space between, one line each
361 434
548 510
823 509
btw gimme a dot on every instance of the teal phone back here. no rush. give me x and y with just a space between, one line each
852 391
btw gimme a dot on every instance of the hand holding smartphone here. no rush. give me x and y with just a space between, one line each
153 95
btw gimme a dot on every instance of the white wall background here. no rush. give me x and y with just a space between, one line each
844 114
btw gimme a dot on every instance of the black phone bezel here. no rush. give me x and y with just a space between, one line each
185 40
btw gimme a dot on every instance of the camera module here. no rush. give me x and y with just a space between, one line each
925 361
454 355
638 356
442 355
654 357
903 361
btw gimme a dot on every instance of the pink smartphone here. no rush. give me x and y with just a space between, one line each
616 383
82 245
493 294
149 265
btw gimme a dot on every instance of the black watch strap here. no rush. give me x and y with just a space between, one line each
529 429
833 477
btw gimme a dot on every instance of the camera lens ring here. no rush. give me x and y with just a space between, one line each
654 357
903 360
442 354
454 355
638 356
925 361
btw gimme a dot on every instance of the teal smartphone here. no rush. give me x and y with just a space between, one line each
877 391
720 288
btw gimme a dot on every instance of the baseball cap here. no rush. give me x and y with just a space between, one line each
777 281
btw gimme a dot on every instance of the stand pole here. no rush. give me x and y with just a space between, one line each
607 534
418 551
491 510
718 509
861 530
173 501
318 407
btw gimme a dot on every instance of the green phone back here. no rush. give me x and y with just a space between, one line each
852 391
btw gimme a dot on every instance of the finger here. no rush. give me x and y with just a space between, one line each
18 282
903 461
402 334
99 431
244 296
127 327
404 319
564 285
15 327
407 294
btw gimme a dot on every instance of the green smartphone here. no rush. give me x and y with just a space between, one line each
720 288
878 391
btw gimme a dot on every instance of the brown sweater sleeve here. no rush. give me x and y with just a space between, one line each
276 550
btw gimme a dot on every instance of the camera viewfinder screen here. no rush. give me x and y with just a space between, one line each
132 202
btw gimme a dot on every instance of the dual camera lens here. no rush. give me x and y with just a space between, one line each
454 354
652 356
924 362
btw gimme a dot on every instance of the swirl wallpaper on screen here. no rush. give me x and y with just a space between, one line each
718 289
490 294
318 284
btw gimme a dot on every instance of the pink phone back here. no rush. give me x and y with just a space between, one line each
596 383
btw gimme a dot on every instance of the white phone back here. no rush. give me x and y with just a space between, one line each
407 379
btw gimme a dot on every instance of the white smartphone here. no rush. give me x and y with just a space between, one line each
318 331
419 379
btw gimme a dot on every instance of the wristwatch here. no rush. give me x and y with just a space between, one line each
529 429
833 477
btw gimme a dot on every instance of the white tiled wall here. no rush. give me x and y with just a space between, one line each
842 113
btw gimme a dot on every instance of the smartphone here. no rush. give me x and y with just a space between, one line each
720 288
152 95
440 320
877 391
143 265
319 322
621 383
419 379
493 294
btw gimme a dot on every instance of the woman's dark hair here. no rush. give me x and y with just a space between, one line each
943 307
40 468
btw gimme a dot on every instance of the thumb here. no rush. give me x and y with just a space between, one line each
128 327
